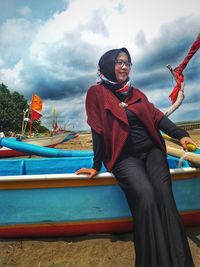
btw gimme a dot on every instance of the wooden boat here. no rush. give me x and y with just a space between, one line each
42 197
32 149
31 114
48 141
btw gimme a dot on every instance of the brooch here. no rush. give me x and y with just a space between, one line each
123 105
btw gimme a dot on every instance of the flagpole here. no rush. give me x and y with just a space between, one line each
23 123
26 122
30 129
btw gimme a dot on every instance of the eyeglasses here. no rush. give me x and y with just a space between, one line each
122 64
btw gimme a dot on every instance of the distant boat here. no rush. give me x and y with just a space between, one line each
42 197
31 114
48 141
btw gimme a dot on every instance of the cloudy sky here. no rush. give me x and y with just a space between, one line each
52 48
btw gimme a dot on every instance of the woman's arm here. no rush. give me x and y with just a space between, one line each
98 148
170 128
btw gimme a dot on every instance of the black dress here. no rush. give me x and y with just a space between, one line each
143 174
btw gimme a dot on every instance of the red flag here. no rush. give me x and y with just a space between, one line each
178 70
194 48
35 115
179 79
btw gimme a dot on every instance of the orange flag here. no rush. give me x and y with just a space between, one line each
36 107
36 103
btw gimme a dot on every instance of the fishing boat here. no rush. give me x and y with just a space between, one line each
32 114
32 149
43 197
47 141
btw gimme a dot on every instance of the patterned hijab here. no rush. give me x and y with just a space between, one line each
106 71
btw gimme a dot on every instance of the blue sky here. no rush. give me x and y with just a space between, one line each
52 48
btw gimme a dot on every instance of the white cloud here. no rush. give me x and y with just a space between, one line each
66 47
14 31
186 112
25 11
1 62
12 77
70 112
15 38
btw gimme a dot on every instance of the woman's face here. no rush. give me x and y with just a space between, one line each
122 67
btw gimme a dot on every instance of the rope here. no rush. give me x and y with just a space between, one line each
180 162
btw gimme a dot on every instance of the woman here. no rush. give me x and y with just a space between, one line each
126 138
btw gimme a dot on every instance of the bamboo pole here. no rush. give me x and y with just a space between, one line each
168 138
190 147
180 96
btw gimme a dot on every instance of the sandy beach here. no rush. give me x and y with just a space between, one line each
105 250
84 251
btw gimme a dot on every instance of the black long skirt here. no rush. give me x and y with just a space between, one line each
159 235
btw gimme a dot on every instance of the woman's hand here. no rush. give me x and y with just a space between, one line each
90 171
185 141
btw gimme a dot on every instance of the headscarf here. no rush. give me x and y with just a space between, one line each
106 71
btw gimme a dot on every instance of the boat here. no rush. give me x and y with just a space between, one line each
43 197
32 149
31 114
47 141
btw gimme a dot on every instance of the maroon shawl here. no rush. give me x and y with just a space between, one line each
108 118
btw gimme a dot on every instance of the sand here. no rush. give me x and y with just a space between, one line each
83 251
105 250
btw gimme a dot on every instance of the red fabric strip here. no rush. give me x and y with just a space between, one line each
178 70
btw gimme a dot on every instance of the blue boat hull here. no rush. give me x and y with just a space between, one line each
32 149
55 207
